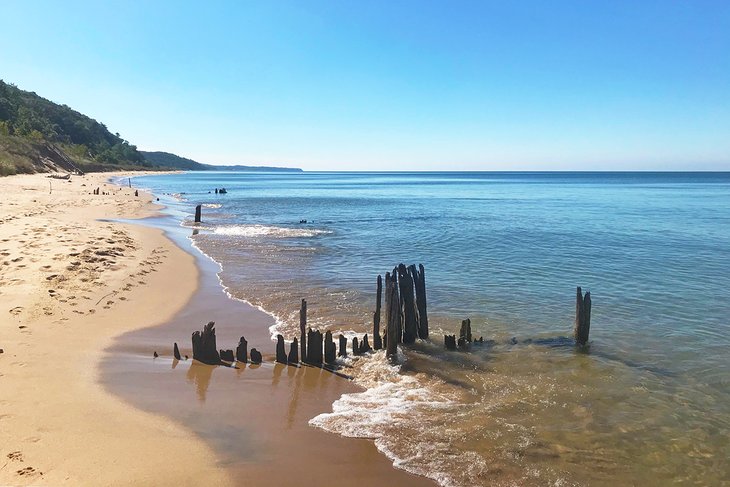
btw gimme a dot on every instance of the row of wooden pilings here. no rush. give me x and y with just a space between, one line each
406 319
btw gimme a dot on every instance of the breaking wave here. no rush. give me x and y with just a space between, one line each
269 231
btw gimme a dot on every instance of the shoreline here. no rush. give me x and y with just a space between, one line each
255 417
63 300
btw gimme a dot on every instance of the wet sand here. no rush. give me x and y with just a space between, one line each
254 417
69 282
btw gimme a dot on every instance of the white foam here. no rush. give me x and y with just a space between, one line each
268 231
212 205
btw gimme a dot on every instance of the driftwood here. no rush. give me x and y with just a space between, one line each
242 351
377 340
227 355
582 316
303 329
176 352
343 346
204 346
198 209
256 356
294 352
330 350
280 350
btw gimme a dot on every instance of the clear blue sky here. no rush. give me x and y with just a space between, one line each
390 85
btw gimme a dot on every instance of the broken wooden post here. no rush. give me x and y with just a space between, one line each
256 356
280 350
198 209
294 352
227 355
303 329
314 347
176 351
377 340
419 280
343 346
365 346
465 331
242 351
582 316
355 346
204 346
130 182
330 350
136 193
450 342
410 325
393 313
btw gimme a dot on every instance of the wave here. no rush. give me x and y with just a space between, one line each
212 205
269 231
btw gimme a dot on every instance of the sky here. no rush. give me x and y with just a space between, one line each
392 85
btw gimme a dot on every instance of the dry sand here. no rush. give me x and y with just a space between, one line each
68 284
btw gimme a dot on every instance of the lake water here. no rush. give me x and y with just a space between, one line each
647 404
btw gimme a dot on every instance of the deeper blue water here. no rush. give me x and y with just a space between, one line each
507 250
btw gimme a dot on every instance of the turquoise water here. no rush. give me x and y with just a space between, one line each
648 403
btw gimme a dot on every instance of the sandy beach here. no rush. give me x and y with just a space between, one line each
68 284
82 401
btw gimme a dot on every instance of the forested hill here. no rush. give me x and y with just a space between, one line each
172 160
38 135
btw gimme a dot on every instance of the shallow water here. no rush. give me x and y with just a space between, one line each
649 403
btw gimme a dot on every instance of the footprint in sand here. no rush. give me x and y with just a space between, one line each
16 456
16 311
28 471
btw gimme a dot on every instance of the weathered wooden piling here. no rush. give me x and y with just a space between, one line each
314 347
294 352
303 329
198 209
465 331
582 316
450 342
176 351
377 340
364 345
419 281
136 193
393 313
256 356
408 303
280 350
343 346
355 346
242 351
204 346
330 350
227 355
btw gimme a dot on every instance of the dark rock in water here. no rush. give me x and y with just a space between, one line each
204 346
513 341
176 351
280 350
294 352
450 342
227 355
242 351
154 354
355 346
186 357
343 346
365 346
256 356
330 350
